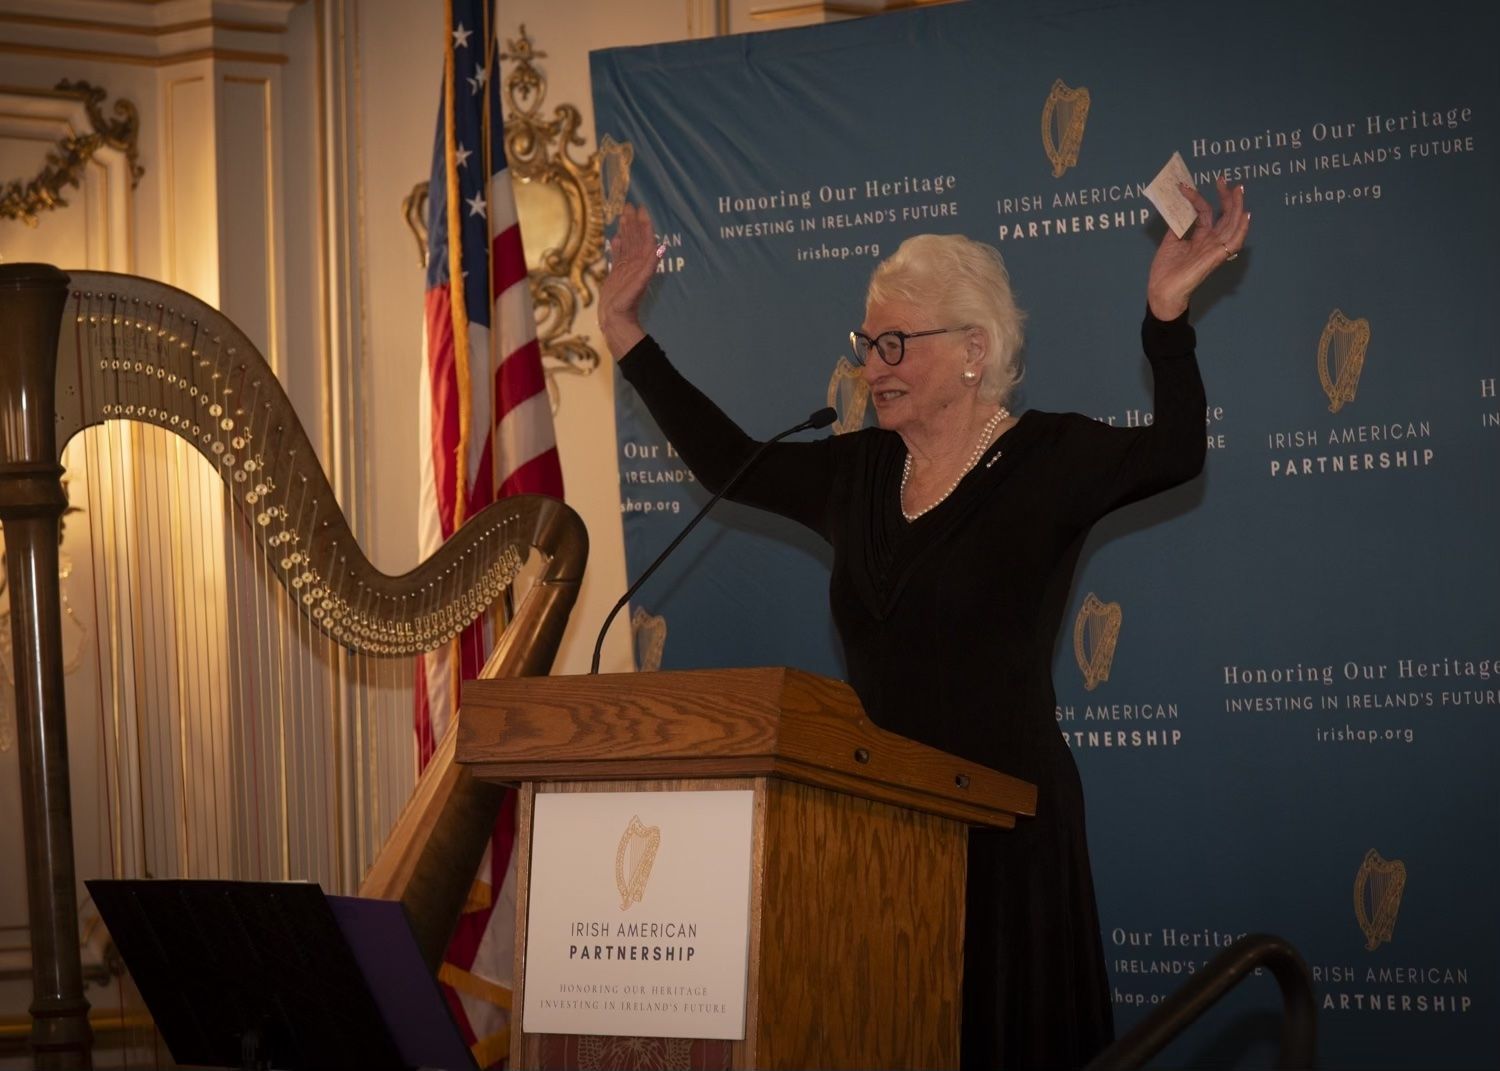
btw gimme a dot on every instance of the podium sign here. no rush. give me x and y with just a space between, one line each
842 870
639 914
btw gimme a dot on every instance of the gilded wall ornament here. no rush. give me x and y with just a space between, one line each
563 204
65 162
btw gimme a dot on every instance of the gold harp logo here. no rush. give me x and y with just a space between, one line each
1095 633
633 860
1341 357
1063 119
649 633
849 394
1377 897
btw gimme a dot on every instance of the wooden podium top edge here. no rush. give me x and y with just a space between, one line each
770 721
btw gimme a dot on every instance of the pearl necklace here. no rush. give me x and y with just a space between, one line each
986 437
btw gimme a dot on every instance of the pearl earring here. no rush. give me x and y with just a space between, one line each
969 375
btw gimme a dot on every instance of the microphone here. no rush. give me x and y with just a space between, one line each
821 419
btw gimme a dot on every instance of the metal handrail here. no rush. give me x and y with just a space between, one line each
1225 971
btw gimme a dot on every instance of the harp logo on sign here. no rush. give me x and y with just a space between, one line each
1096 630
1063 119
1341 357
633 859
1378 886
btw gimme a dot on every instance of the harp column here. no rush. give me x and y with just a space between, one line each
31 503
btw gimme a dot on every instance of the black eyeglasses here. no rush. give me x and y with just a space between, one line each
891 345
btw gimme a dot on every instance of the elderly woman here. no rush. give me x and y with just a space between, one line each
956 526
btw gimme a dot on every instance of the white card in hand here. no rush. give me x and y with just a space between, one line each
1176 209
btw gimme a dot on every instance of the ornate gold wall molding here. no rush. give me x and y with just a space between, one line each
563 204
66 162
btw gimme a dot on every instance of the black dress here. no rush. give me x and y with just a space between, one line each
948 625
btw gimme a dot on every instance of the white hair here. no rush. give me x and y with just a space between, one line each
967 281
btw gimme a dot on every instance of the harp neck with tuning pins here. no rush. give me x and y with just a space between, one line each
252 678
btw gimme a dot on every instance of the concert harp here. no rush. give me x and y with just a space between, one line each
251 681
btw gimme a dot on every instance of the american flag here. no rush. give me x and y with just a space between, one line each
487 433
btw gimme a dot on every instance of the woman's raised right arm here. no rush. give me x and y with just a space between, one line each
632 265
792 479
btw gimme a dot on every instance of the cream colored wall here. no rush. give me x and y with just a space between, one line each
399 63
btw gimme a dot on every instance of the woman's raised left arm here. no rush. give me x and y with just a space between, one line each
1181 264
1107 467
1116 465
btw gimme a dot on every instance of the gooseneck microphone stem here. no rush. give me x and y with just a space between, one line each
821 419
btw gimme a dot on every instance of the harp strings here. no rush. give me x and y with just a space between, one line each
236 736
223 714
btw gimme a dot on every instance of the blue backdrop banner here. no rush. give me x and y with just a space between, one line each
1280 680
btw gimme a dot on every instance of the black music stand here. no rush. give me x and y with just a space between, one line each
257 975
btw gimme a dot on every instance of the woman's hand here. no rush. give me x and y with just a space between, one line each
1181 264
633 259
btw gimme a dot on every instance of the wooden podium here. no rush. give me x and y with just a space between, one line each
858 844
